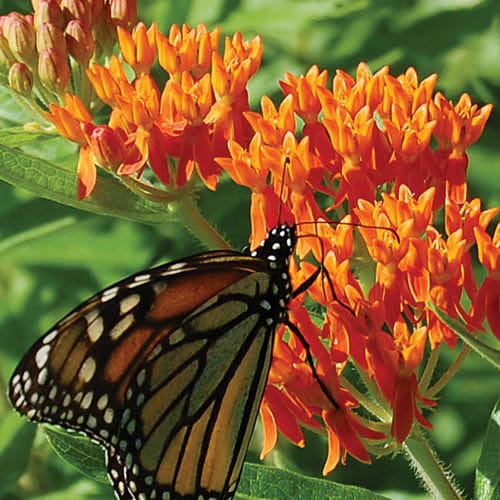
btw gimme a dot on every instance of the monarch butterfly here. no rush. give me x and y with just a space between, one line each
166 369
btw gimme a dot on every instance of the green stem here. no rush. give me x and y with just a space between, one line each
187 213
437 481
373 407
180 204
373 390
450 373
430 366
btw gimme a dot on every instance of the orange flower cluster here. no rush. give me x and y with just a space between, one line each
176 131
391 154
387 151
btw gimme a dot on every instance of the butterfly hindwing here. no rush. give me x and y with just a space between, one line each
180 410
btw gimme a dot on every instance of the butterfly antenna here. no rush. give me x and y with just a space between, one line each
286 163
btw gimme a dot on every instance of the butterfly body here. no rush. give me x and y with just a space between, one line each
166 369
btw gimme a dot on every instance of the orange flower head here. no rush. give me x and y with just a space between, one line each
139 47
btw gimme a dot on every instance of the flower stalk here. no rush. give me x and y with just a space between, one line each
438 482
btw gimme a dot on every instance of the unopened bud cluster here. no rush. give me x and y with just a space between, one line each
44 55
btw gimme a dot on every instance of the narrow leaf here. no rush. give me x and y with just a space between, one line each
19 136
470 338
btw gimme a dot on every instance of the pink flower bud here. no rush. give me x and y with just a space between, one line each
7 59
48 11
80 42
20 34
53 70
49 35
123 12
77 9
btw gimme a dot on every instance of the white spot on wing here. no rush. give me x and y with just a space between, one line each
42 355
108 415
87 370
42 376
53 392
119 329
129 302
50 337
142 278
102 402
141 377
109 294
95 329
265 305
87 400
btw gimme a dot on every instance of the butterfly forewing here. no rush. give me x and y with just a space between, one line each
166 369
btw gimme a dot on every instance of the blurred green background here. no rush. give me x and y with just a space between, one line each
52 257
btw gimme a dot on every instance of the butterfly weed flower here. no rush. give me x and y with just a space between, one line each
382 155
383 149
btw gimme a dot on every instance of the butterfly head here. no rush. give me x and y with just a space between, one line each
277 247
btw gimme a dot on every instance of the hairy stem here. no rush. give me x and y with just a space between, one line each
439 482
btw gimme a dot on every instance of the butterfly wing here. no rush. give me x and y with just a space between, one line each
166 369
76 375
191 409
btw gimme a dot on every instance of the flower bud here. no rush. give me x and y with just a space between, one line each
20 35
123 12
53 69
49 35
104 32
77 9
107 146
48 11
21 78
7 59
80 42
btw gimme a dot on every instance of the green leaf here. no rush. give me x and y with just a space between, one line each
53 181
487 485
79 451
470 338
258 481
19 136
16 439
